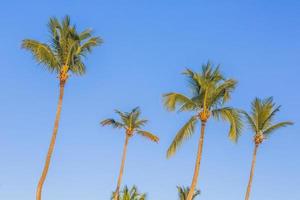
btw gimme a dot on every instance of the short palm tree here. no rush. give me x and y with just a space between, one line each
210 91
132 124
63 56
130 194
260 120
184 191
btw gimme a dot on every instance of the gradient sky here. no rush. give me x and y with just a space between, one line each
147 45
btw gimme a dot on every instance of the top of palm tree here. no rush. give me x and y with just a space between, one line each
66 48
210 91
131 194
131 122
261 117
184 191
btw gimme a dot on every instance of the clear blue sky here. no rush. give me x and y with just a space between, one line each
147 45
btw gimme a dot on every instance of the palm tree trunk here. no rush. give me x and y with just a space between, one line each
198 161
121 168
52 143
251 173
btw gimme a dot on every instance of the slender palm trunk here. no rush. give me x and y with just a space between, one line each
121 168
52 143
251 173
198 161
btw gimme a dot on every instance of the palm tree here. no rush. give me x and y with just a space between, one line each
183 193
130 194
210 91
260 120
63 56
131 123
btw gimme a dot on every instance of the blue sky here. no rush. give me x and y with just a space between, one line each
147 44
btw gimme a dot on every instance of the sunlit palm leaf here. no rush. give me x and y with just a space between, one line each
233 117
42 53
185 132
148 135
171 100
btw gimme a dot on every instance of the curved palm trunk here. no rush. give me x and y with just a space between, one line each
197 165
52 143
251 173
121 168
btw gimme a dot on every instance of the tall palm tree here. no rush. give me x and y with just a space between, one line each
183 193
260 120
130 194
132 124
63 56
210 91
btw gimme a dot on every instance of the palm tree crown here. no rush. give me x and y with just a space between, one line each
66 49
261 118
183 193
131 194
131 122
210 91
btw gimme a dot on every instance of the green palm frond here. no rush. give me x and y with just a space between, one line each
112 122
148 135
42 53
233 117
171 100
274 127
185 132
124 117
221 93
251 122
140 123
268 117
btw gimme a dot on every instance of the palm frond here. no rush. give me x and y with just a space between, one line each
42 53
148 135
221 93
140 123
250 121
274 127
233 117
112 122
124 117
185 132
87 46
171 100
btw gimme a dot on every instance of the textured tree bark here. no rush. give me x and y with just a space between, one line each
251 173
121 168
198 162
52 143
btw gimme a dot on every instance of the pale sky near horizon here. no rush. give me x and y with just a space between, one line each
147 44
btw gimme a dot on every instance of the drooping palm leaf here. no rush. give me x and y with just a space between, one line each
233 117
148 135
184 133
